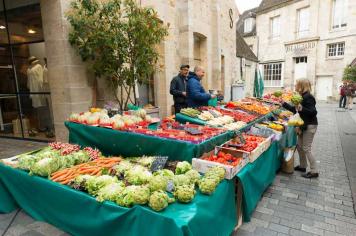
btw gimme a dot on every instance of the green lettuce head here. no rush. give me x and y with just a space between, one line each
159 200
183 167
26 161
133 195
138 175
93 185
123 167
184 193
45 167
80 157
110 192
216 171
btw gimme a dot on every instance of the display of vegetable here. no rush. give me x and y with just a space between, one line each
159 200
296 99
45 167
180 180
184 193
138 175
215 172
110 192
208 185
183 167
123 167
158 182
193 175
278 93
165 173
26 161
133 195
93 185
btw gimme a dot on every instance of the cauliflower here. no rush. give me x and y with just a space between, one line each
193 175
159 200
184 193
110 192
208 185
133 195
93 185
138 175
166 173
179 180
158 182
183 167
216 171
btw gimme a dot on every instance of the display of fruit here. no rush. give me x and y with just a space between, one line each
278 93
296 99
251 143
95 109
190 112
224 158
275 126
238 115
235 125
250 106
285 114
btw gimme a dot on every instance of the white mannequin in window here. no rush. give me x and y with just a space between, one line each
35 81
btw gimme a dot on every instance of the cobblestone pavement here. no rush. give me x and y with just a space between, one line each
297 206
291 206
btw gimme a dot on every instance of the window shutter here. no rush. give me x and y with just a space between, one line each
337 16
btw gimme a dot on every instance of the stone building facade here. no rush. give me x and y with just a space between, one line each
200 33
314 39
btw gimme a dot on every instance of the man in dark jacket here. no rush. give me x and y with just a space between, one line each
197 96
179 88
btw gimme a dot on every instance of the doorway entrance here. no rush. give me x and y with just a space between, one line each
324 88
25 101
300 68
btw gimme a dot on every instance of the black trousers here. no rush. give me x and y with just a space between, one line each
179 106
342 101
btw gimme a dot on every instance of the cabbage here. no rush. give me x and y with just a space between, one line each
158 182
45 167
184 193
208 185
217 172
80 157
193 175
179 180
183 167
138 175
26 161
133 195
110 192
159 200
123 167
93 185
48 154
165 173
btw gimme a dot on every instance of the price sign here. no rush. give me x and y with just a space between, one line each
193 131
158 163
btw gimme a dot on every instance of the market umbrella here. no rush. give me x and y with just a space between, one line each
258 86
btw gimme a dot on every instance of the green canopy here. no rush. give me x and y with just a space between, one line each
258 86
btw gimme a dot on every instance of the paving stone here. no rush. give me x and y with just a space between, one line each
303 220
295 232
31 233
325 226
345 219
334 210
314 205
312 230
279 228
266 217
264 232
259 222
328 233
290 195
291 224
265 210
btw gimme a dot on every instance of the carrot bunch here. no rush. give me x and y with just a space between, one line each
90 168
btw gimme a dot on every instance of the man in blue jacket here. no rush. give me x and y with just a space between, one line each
196 95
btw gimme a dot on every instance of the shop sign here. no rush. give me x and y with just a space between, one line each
300 47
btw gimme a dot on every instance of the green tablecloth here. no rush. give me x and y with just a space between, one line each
257 176
80 214
113 142
181 118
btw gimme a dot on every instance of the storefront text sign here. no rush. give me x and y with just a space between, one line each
300 47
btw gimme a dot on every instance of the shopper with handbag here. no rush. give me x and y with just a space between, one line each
308 113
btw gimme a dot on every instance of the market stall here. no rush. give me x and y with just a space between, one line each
80 214
133 144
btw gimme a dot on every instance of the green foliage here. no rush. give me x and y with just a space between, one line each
118 39
350 74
